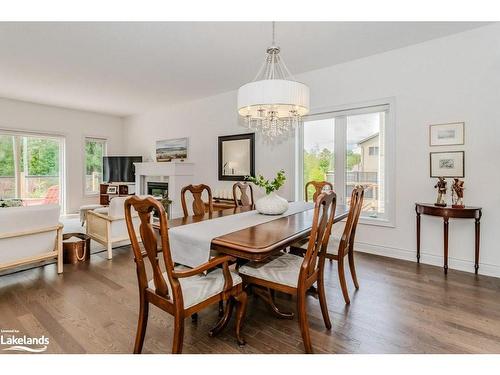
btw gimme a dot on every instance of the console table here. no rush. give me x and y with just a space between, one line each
446 213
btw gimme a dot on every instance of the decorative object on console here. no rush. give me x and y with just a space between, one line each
274 102
170 149
447 164
120 190
271 203
447 134
457 194
441 189
236 157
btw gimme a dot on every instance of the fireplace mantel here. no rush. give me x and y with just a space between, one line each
177 174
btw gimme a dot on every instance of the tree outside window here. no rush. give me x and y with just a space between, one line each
95 149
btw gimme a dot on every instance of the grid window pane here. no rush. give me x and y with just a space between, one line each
365 160
319 152
94 152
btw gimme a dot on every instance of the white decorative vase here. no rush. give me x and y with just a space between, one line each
271 204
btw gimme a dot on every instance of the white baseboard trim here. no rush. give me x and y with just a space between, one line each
426 258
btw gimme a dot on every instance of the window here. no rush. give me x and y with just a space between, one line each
351 147
318 155
95 149
31 167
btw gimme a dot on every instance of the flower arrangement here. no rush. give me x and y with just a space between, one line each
10 203
269 186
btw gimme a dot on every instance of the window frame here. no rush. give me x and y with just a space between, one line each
99 139
61 138
340 113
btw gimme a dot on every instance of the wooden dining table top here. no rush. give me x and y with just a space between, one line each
260 241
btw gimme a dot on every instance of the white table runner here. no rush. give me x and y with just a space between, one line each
190 244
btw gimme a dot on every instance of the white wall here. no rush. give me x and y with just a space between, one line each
73 125
456 78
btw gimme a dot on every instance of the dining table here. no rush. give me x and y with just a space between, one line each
258 242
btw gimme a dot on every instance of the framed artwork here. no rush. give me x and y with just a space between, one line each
171 149
447 164
447 134
112 190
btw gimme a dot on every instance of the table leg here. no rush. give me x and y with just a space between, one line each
418 237
476 259
445 245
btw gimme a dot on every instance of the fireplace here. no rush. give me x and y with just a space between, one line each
158 189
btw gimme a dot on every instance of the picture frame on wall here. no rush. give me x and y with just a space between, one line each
451 134
172 149
447 164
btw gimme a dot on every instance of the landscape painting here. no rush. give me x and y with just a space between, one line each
171 149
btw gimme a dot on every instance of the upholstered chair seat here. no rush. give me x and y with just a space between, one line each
198 288
281 269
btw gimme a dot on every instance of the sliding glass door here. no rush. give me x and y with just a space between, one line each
31 168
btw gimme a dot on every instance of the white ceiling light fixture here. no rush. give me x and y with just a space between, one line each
274 103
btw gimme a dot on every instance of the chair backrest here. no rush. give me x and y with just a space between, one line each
347 240
145 207
198 204
319 187
244 200
324 213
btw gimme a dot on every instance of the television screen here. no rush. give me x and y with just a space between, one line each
120 168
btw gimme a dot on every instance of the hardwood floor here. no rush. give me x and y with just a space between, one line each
401 307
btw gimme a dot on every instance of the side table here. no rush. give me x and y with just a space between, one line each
446 213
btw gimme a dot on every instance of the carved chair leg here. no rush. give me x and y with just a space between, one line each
353 269
268 296
241 308
222 323
304 325
221 309
343 283
141 325
178 334
322 302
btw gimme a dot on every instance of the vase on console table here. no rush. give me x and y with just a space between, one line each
271 203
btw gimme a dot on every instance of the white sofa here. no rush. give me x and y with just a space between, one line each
107 225
30 234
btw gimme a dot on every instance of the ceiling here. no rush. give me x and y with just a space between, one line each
125 68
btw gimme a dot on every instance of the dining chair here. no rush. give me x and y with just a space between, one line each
338 250
346 244
319 187
179 291
198 204
244 199
293 274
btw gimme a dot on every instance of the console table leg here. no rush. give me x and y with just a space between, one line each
445 245
418 237
476 259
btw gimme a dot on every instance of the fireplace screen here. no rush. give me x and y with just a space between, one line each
158 189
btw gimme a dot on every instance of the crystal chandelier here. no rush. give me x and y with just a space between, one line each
273 103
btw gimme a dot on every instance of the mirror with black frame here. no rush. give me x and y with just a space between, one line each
236 156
